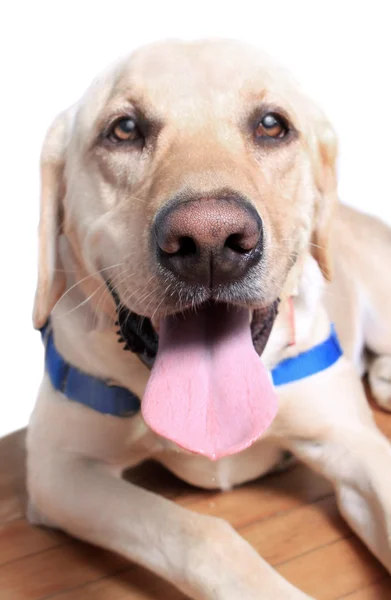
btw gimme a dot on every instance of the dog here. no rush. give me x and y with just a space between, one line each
189 202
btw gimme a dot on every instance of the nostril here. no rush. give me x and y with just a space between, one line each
239 243
187 246
179 246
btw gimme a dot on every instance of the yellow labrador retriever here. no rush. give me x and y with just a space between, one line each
189 202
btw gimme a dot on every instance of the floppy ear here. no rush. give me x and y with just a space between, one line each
51 280
325 150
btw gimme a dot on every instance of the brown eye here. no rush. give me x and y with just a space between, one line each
124 130
271 126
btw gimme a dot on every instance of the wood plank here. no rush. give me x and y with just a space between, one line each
12 476
335 570
267 497
291 534
52 571
137 584
383 420
377 591
18 539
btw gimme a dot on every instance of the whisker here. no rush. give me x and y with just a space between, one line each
105 291
82 280
82 303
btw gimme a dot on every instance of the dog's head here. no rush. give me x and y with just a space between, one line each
191 173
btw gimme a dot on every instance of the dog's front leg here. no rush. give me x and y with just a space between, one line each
201 555
326 421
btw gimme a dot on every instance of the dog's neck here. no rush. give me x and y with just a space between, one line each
84 324
311 323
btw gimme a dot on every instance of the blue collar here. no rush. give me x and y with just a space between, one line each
121 402
312 361
86 389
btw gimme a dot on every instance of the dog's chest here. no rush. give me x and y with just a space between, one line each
227 472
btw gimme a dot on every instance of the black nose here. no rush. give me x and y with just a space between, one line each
209 241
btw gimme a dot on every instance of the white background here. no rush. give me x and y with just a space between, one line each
339 50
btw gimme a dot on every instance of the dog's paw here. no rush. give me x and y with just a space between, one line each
380 381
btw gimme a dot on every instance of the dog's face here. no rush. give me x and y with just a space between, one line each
199 169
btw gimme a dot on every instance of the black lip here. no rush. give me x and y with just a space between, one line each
138 335
135 332
261 325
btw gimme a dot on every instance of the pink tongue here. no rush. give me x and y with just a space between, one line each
209 391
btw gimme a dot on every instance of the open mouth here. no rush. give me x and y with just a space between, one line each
208 390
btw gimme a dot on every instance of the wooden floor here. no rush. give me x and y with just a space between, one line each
290 518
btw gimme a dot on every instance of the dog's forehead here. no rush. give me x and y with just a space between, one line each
196 62
191 84
206 71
